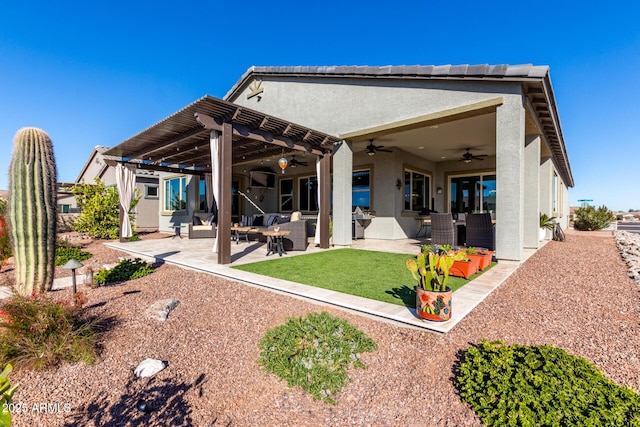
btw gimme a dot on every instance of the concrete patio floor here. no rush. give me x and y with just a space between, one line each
197 254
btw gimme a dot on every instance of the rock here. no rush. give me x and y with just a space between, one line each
160 309
149 367
629 247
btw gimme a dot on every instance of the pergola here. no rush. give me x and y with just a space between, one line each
181 143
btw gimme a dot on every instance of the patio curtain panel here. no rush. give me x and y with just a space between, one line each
208 192
316 238
126 184
215 175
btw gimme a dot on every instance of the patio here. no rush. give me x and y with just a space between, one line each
197 255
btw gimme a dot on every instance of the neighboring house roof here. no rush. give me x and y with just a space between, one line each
98 149
535 80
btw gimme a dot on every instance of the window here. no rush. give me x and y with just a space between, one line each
361 189
150 191
556 202
308 195
417 191
202 194
471 194
65 208
175 193
286 195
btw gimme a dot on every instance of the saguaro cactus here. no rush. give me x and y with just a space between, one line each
32 210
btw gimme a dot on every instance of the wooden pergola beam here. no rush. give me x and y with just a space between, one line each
257 135
160 145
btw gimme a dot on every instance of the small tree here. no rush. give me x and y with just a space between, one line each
99 209
591 219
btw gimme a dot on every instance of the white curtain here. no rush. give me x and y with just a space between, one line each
126 184
316 238
215 176
208 191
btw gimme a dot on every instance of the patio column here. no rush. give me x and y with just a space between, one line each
532 191
223 232
510 183
342 198
324 181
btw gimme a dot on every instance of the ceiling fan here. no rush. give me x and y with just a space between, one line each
467 157
372 149
293 162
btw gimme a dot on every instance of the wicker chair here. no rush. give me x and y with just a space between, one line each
297 240
443 231
480 231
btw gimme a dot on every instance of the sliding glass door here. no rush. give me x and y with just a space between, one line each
474 193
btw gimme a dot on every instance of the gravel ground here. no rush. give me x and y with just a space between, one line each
575 294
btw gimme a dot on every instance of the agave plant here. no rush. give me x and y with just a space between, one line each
431 269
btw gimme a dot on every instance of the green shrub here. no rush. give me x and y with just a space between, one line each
66 251
125 270
591 219
39 333
314 353
541 386
99 209
5 241
6 393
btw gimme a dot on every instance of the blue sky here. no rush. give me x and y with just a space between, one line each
96 74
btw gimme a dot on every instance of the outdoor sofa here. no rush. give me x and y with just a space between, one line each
295 241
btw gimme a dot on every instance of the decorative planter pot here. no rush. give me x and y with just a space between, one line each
543 233
463 269
481 259
433 305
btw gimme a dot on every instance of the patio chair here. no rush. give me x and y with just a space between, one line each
443 231
480 231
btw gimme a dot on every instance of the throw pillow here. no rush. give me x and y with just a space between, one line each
296 216
271 220
258 220
209 220
196 220
283 219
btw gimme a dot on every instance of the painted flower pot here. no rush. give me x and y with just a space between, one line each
433 305
463 269
482 259
475 260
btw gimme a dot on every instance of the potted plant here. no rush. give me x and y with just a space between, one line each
431 270
480 257
546 223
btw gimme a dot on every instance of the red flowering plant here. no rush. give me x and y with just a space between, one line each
38 332
430 268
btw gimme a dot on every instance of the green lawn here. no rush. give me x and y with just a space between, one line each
380 276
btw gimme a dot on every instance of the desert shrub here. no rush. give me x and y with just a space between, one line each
66 251
591 219
37 332
125 270
99 209
5 242
541 386
314 353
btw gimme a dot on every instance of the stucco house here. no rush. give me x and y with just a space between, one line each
397 140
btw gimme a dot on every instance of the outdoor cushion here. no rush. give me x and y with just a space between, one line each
196 220
258 221
247 221
283 219
201 227
271 219
296 216
209 220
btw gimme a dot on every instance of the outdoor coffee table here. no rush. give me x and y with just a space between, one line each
242 231
274 241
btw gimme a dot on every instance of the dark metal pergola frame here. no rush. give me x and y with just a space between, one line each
181 144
